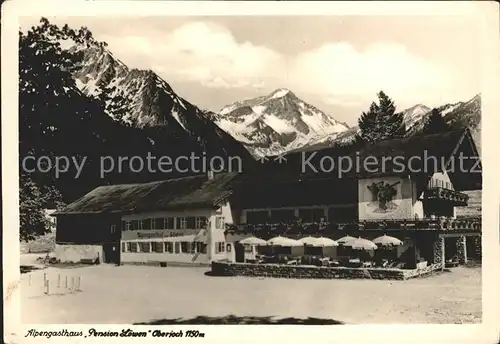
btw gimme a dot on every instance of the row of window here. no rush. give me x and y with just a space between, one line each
433 183
175 247
189 222
306 215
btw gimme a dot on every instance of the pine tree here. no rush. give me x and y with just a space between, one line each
381 122
435 123
33 200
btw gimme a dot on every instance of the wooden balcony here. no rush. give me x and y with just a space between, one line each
325 228
446 195
441 190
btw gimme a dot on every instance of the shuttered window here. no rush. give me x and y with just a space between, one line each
135 224
201 247
191 222
132 247
169 247
182 222
146 224
157 247
201 222
169 223
145 247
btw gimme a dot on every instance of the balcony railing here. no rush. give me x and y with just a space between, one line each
443 190
448 195
325 228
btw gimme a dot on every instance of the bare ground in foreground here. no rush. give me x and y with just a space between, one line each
141 294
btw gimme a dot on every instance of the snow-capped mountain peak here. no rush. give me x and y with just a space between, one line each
281 92
138 98
277 122
414 114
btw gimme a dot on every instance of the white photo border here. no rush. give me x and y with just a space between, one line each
487 14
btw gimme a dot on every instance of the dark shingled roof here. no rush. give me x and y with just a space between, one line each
440 146
180 193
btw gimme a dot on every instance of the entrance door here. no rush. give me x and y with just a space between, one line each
239 252
111 253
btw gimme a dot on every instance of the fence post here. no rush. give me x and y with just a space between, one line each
72 282
46 287
58 280
66 281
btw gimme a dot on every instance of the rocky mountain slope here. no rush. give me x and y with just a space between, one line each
277 123
458 115
77 100
141 98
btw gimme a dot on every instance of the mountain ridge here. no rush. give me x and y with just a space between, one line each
460 115
141 98
276 122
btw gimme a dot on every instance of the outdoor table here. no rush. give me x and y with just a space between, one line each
333 263
354 262
324 261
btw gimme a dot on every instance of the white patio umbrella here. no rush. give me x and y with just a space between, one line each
318 242
310 241
346 241
326 242
363 244
282 241
253 241
387 241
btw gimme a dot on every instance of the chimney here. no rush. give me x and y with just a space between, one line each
210 175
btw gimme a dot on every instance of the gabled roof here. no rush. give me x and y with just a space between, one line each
442 146
188 192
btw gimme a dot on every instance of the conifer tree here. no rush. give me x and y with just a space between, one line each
435 124
381 122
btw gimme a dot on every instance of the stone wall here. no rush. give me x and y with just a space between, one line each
314 272
438 251
461 249
166 264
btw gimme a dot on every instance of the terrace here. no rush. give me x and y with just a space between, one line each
442 191
267 230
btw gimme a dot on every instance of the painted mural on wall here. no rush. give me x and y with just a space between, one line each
383 196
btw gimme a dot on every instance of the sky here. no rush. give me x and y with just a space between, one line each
336 63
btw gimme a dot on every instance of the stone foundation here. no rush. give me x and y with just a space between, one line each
315 272
438 251
75 253
167 264
461 249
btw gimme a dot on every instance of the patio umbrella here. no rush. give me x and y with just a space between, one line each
310 241
346 241
363 244
253 241
282 241
326 242
387 241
